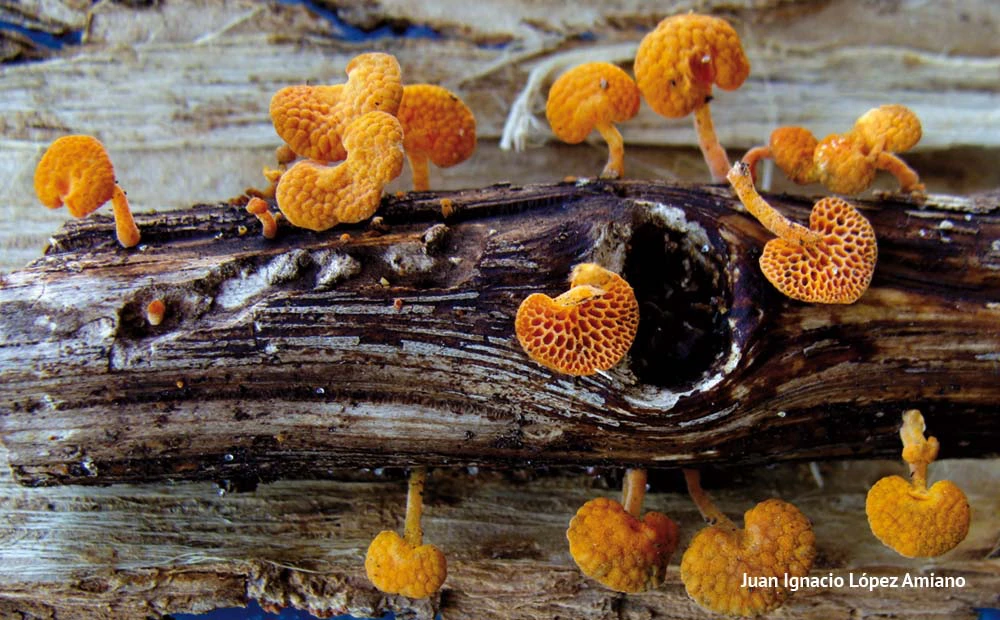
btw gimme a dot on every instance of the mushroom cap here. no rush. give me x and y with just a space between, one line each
75 171
618 550
895 126
436 124
835 270
792 149
777 539
395 566
915 523
313 119
314 196
586 329
677 63
843 165
587 95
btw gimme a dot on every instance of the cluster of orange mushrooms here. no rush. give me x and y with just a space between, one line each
371 123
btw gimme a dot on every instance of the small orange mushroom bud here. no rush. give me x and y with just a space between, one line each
611 544
594 95
403 564
586 329
155 311
76 171
313 119
907 516
437 126
259 208
318 197
677 64
776 540
830 262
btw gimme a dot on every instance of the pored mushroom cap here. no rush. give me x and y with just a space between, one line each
436 124
895 127
843 165
777 539
677 63
915 523
586 329
618 550
319 197
397 567
835 270
587 95
792 149
75 171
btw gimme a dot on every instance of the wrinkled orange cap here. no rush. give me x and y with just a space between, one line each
313 119
777 539
75 171
678 62
586 329
588 95
436 124
318 197
894 128
843 165
792 149
835 270
397 567
618 550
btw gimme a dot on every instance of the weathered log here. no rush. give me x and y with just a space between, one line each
394 346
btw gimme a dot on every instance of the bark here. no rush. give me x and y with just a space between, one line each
395 345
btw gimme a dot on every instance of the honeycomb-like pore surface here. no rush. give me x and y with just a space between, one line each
678 62
313 119
318 197
835 270
842 165
617 549
894 128
586 329
792 149
917 523
777 539
396 567
437 125
75 171
587 95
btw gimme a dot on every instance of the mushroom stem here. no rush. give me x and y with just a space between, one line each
125 228
708 142
909 180
768 216
615 168
421 173
709 511
634 491
753 156
412 532
259 208
918 452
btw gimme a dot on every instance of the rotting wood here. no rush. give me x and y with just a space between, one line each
287 358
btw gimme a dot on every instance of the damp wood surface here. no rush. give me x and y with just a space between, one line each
178 90
392 343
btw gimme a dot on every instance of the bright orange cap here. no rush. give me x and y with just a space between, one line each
894 128
777 539
792 149
843 165
620 551
678 62
437 125
586 329
313 119
318 197
395 566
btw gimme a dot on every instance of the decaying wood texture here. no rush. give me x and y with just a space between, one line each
395 345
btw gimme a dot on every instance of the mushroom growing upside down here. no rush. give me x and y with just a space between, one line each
437 126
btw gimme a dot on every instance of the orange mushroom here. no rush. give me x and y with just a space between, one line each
269 226
907 516
792 149
437 126
611 544
405 565
830 262
586 329
313 119
76 171
595 95
319 197
776 540
156 310
677 64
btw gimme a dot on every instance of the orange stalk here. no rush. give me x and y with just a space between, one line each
767 215
127 231
412 532
709 511
708 142
909 180
615 168
634 491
